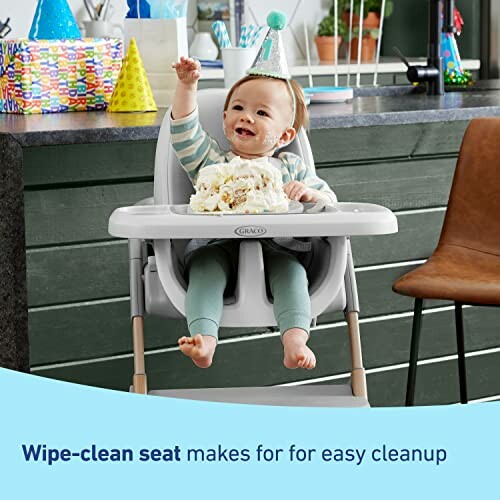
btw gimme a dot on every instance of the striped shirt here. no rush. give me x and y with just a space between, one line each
195 149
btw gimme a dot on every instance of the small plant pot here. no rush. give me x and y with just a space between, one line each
368 44
371 21
368 49
327 46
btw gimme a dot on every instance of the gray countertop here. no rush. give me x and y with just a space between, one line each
406 109
403 107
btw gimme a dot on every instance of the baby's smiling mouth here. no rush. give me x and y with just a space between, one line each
244 132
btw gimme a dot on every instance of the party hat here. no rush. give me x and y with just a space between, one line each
454 73
271 59
53 20
132 91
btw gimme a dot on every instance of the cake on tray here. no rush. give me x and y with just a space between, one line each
241 186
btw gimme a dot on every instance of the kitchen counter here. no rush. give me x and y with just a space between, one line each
404 106
19 133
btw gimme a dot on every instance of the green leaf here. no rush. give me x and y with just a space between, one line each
369 6
327 27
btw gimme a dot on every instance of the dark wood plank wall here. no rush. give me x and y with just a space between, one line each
78 275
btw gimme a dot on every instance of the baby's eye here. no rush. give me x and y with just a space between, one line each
237 107
261 112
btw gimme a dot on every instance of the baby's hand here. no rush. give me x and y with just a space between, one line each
298 191
188 70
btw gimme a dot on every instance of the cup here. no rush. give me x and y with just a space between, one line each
102 29
237 61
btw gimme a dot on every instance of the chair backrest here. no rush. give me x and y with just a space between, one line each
171 183
473 214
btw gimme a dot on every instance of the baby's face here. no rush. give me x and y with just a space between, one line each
258 117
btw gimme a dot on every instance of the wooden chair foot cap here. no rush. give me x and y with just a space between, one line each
358 382
140 384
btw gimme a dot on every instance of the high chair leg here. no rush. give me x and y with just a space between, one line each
139 381
358 375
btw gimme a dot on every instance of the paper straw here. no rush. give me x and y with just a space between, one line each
336 31
256 35
351 14
308 56
243 37
225 35
250 32
220 31
252 29
381 30
360 41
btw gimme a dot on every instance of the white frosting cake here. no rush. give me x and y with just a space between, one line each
240 186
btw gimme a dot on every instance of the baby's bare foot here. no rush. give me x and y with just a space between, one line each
297 354
199 348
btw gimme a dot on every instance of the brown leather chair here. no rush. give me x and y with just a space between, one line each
465 267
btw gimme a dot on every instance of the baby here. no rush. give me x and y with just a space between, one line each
261 115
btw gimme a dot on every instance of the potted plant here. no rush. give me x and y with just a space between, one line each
326 44
371 24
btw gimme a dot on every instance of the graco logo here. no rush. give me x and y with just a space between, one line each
250 231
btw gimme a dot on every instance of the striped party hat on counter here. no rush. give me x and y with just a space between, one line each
132 92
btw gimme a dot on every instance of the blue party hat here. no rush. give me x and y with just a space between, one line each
53 21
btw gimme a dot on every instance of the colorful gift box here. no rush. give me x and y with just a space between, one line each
52 76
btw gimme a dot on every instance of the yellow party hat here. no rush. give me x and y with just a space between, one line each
132 91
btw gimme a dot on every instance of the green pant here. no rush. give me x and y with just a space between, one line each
213 266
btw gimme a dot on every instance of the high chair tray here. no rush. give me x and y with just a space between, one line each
173 222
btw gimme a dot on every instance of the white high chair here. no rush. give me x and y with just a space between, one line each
157 286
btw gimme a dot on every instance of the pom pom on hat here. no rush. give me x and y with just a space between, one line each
276 20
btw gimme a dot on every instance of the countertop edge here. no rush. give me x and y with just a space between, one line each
82 132
84 136
402 118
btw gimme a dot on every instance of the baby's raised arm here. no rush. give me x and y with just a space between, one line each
188 73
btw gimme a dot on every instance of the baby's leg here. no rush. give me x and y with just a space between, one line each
292 307
208 273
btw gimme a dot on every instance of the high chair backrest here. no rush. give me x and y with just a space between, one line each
171 183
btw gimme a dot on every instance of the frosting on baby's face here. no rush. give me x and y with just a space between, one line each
257 119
